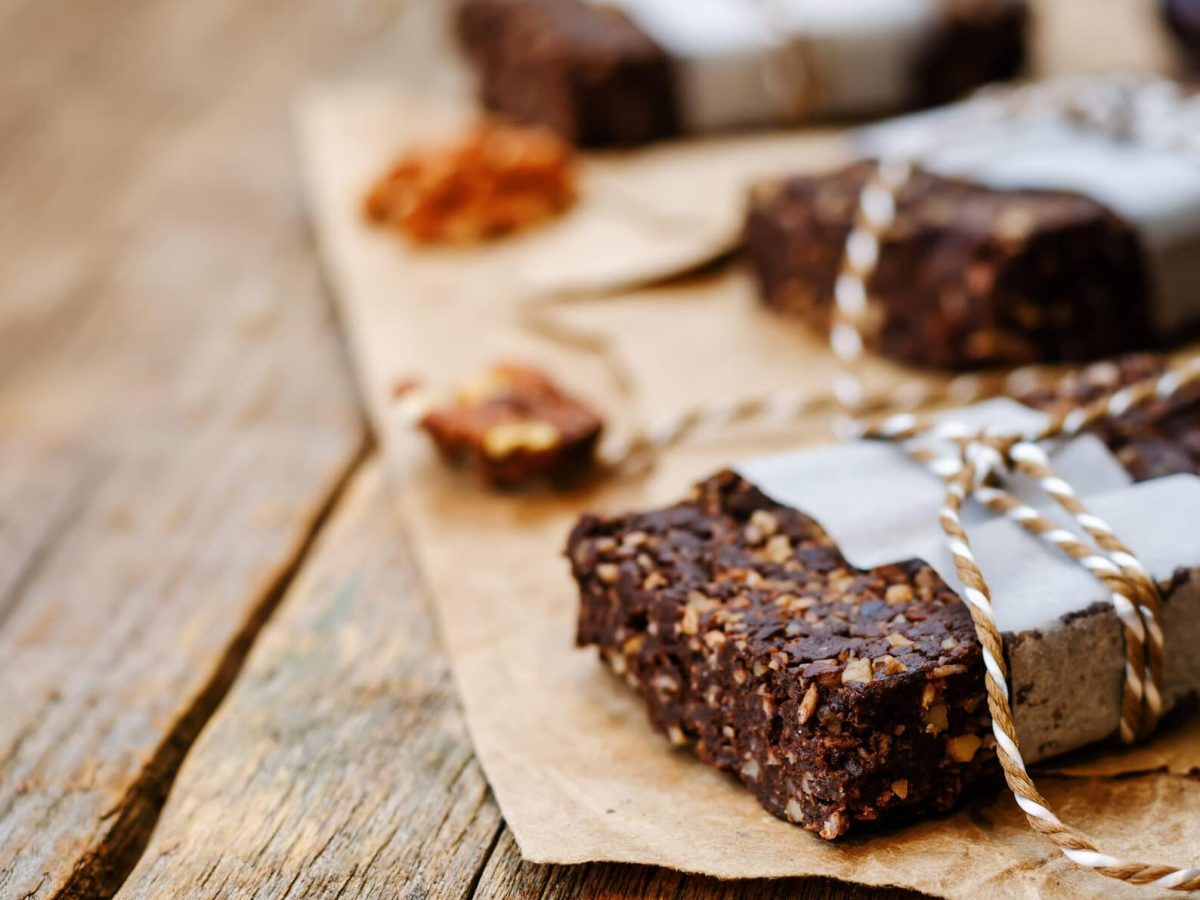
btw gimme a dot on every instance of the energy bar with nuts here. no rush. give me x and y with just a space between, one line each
842 695
836 695
627 72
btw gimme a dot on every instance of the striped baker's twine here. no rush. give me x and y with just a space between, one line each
906 426
975 473
1155 112
1141 684
849 318
781 406
974 466
1133 593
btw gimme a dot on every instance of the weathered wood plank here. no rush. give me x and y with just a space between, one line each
508 876
164 327
338 766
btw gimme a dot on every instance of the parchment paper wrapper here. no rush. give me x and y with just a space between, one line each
574 765
844 57
1064 640
1145 168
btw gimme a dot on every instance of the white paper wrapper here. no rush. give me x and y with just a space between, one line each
1067 658
761 62
1146 169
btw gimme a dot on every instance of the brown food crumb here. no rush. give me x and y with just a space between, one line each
497 179
513 426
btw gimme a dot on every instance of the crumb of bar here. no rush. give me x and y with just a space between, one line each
497 179
513 426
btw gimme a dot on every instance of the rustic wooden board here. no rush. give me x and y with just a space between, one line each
175 414
338 764
507 875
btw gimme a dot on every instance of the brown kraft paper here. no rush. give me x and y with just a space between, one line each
577 770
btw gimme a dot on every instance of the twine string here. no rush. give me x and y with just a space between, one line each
977 464
1116 110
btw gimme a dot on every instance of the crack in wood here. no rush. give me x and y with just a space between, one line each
102 870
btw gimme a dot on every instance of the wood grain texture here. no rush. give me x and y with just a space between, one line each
175 414
339 765
507 876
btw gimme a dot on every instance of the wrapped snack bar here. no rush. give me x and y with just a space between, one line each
632 71
801 624
1058 221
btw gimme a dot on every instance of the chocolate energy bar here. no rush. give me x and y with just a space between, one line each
842 695
633 71
1054 222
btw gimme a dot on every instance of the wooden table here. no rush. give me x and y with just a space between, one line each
219 675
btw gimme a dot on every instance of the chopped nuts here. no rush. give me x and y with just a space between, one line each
664 683
963 748
764 521
889 665
833 825
857 671
608 573
779 549
497 178
945 671
793 810
654 581
896 639
936 719
809 704
761 526
928 695
714 639
508 438
900 788
634 539
898 593
675 736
